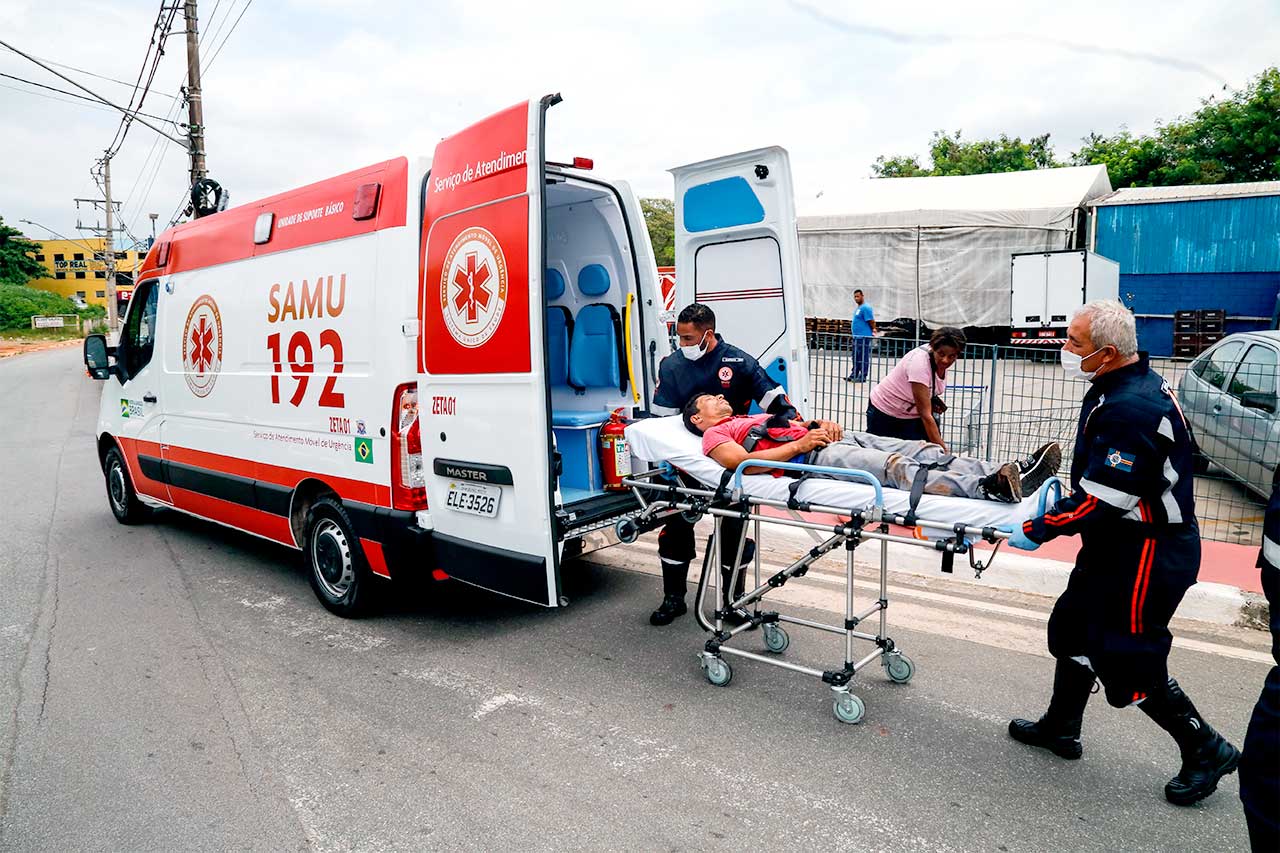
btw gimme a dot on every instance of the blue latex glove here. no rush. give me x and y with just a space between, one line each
1017 538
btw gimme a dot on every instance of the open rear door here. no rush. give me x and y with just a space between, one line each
737 252
483 398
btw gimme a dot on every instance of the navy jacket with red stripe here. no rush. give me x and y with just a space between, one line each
1133 459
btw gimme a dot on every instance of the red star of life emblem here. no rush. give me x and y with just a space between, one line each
201 345
472 294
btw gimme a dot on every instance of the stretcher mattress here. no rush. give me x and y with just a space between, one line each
667 440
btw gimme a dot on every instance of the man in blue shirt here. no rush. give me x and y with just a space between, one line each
864 328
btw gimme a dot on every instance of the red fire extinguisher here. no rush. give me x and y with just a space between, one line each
615 455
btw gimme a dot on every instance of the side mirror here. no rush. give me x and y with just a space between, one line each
97 356
1264 400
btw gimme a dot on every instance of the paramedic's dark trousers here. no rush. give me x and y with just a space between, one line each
1128 580
677 548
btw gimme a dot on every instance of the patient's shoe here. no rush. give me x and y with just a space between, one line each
1004 484
671 607
1040 466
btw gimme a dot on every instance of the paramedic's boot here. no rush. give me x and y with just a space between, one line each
1059 729
674 583
1206 755
1004 484
1039 466
738 617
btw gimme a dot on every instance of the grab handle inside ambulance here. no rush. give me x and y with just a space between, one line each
846 473
626 332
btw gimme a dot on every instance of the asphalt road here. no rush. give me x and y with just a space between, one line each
177 686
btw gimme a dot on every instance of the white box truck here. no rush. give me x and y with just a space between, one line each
1046 287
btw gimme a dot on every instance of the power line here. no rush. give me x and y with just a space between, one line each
159 32
92 74
95 101
209 64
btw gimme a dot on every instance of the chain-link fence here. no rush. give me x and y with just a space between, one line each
1004 402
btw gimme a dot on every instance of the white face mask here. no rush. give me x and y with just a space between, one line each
1071 364
696 351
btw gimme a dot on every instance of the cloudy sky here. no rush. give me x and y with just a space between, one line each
296 91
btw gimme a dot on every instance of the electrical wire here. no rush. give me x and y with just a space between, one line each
160 31
72 94
92 74
217 51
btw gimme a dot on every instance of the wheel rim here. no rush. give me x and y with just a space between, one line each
331 559
117 491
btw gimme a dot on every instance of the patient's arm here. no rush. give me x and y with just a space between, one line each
730 454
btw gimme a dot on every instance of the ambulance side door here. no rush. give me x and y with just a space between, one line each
484 403
738 253
140 367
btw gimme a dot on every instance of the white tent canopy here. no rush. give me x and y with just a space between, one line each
936 248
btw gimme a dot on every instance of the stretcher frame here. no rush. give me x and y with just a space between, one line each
869 522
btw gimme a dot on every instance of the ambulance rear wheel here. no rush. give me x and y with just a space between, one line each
125 505
336 565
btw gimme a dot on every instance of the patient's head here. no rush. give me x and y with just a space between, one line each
704 411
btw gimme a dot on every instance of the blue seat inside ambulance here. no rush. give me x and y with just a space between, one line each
592 363
559 322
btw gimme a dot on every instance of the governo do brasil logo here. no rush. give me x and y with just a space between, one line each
202 346
473 287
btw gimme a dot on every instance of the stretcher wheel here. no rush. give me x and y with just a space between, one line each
898 667
849 708
776 639
691 515
627 531
717 670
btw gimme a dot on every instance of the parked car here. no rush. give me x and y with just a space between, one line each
1229 396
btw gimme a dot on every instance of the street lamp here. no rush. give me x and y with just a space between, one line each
154 217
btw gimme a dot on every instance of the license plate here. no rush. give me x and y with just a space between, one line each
473 498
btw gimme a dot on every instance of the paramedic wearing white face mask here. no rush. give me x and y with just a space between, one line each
706 364
1131 503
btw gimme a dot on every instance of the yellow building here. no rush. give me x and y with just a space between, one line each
77 270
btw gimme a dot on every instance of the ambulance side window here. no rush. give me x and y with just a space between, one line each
138 338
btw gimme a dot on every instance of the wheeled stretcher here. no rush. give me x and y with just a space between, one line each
949 526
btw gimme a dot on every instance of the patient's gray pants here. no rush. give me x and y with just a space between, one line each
895 461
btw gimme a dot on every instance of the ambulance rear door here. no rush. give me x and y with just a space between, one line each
483 399
738 253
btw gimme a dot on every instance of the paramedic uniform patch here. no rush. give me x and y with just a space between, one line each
202 346
364 450
473 287
1120 461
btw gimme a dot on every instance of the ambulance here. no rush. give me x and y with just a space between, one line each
404 370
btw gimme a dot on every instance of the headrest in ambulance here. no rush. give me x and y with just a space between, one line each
554 283
593 280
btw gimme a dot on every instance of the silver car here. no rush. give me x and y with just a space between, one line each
1229 396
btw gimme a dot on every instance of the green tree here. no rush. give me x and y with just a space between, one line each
951 154
1228 140
16 266
660 218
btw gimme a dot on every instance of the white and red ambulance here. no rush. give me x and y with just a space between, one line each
405 368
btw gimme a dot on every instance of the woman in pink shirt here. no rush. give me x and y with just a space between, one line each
907 402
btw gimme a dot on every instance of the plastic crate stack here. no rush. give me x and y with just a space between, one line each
1195 331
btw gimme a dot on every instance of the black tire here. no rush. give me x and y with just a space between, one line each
336 566
121 496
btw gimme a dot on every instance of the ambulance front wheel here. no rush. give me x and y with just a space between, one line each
336 565
125 505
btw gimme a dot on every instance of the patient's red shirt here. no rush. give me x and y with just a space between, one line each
735 429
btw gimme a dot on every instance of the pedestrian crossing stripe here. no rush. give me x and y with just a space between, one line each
364 450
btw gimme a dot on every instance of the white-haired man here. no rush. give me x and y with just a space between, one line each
1131 502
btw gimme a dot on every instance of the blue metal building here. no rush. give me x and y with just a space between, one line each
1182 248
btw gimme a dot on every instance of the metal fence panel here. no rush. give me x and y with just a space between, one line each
1004 402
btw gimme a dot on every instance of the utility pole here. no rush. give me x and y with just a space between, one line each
195 109
110 243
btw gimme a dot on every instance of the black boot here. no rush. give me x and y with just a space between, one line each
1059 729
674 583
1206 755
671 607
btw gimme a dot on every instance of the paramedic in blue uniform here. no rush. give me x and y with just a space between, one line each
1260 764
1131 503
863 327
706 364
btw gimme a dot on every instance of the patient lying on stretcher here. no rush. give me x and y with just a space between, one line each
731 440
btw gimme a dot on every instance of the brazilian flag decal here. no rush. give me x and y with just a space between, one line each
364 450
124 408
